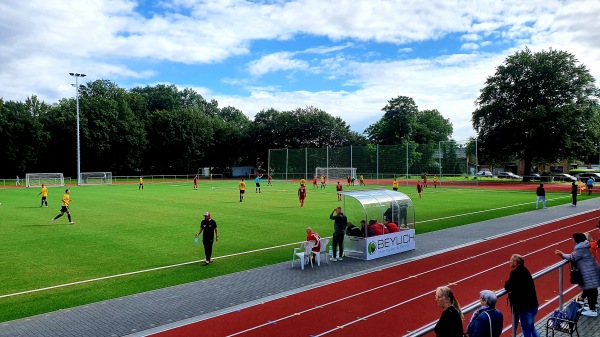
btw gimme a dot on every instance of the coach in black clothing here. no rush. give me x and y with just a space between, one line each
208 228
339 227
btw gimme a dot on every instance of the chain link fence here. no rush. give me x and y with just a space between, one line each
410 160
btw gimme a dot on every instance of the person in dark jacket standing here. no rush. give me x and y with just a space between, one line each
587 265
339 228
487 321
208 228
522 296
574 191
541 195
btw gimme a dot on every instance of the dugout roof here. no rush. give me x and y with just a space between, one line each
378 204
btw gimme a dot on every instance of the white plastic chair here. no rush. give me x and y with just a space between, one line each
323 251
304 252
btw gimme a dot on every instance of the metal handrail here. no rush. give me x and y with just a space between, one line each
476 305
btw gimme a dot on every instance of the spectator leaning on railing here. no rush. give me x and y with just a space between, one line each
590 272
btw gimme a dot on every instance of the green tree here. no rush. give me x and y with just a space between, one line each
538 107
431 127
113 137
402 121
22 136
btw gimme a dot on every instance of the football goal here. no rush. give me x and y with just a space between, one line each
48 179
335 173
96 178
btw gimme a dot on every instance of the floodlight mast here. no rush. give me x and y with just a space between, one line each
77 76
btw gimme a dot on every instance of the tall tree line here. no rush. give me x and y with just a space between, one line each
163 130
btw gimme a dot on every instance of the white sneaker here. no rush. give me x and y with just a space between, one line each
340 259
333 259
590 313
72 222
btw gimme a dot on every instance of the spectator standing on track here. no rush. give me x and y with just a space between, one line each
590 185
208 227
522 296
425 180
541 195
590 272
435 181
487 321
17 181
450 323
339 228
574 191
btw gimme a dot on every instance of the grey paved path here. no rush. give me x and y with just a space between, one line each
141 314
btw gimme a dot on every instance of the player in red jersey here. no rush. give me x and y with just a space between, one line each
315 182
339 189
419 188
302 194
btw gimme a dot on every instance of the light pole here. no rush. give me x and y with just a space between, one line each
77 76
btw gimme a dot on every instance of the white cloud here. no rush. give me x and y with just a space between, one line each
275 62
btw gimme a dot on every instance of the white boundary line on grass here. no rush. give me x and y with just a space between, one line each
137 272
216 258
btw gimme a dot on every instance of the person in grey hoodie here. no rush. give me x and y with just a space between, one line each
590 272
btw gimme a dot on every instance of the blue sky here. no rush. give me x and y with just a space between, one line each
346 57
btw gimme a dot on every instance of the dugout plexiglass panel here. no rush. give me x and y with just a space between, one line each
373 207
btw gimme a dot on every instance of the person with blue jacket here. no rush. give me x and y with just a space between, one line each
587 265
487 321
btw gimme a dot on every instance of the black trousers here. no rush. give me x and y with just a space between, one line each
208 244
592 297
338 240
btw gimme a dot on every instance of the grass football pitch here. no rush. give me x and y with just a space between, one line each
127 241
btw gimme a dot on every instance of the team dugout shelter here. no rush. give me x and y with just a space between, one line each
373 239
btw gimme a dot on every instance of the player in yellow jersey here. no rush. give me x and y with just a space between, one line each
44 193
395 184
242 187
66 200
141 187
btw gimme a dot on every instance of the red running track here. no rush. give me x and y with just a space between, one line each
397 300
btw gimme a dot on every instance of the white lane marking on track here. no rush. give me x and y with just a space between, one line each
320 306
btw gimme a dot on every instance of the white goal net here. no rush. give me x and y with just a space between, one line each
48 179
335 173
96 178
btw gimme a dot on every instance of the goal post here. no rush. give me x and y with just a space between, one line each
96 178
335 173
47 179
